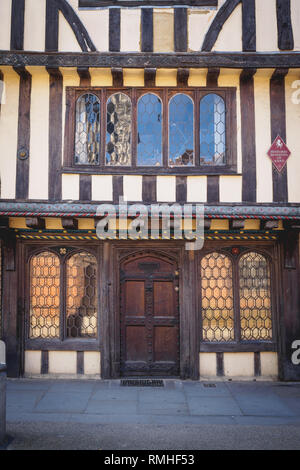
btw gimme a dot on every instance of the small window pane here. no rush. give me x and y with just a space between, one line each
81 296
149 130
44 296
181 131
87 136
212 130
217 298
255 297
118 130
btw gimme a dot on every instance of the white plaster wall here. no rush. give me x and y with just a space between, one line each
33 361
132 187
34 25
92 363
62 362
269 364
230 37
70 187
292 133
166 188
39 138
5 15
208 364
96 23
130 30
196 188
230 188
102 189
266 26
239 364
295 13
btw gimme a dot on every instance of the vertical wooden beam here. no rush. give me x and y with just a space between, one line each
278 127
182 77
248 135
180 29
147 29
212 77
22 175
117 76
284 25
213 188
117 188
85 181
289 305
51 40
149 189
17 25
181 189
220 364
80 362
257 364
55 133
45 362
114 29
1 88
249 26
149 77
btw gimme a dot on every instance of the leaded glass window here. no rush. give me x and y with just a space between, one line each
44 319
81 295
118 130
212 130
217 298
149 148
181 131
255 297
87 135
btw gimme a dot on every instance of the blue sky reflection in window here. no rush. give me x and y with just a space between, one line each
87 135
149 130
212 130
181 131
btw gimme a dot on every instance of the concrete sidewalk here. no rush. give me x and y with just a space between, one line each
201 414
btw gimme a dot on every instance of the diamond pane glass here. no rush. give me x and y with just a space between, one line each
149 130
217 298
81 296
212 130
255 297
44 296
118 130
181 131
87 135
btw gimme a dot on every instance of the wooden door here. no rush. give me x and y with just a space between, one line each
149 317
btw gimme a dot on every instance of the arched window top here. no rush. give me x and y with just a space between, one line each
118 130
255 297
44 295
81 295
149 130
87 135
212 130
181 130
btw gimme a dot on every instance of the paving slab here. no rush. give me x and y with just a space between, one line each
213 406
66 402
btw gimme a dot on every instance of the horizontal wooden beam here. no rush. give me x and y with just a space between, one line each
134 3
231 60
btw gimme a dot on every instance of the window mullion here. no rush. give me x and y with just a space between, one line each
63 284
103 100
236 301
134 128
165 128
197 128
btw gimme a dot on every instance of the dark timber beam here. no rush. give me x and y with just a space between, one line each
55 132
149 77
17 25
114 29
232 60
182 77
212 77
216 26
249 25
22 176
284 25
117 75
147 29
134 3
248 135
278 127
180 30
85 76
51 40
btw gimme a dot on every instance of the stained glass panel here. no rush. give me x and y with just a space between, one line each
87 135
81 296
118 130
44 296
149 130
255 297
181 131
217 298
212 130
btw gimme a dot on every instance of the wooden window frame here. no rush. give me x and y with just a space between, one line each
165 94
238 344
64 253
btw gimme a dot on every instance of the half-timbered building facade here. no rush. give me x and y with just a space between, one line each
140 104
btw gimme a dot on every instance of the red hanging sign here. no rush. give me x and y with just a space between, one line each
279 153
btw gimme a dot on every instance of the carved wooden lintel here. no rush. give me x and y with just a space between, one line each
149 77
182 77
117 75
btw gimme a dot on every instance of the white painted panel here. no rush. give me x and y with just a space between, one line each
292 134
130 30
239 364
9 133
198 25
263 135
5 15
269 364
96 23
230 188
92 362
163 30
295 12
196 188
132 187
62 362
33 361
266 26
231 78
34 25
208 364
166 188
70 187
67 41
39 134
102 189
230 37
